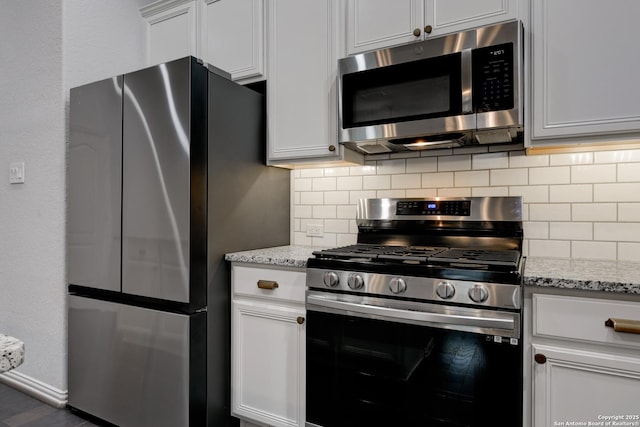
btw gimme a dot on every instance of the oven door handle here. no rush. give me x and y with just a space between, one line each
460 318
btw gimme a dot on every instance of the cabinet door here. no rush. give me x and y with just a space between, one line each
449 16
171 30
268 363
302 119
232 34
583 386
584 68
376 24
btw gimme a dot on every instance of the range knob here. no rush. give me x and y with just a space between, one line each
355 281
330 279
397 285
445 290
478 293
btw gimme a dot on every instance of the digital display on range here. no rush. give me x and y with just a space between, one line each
435 207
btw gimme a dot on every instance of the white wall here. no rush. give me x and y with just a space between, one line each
583 205
47 47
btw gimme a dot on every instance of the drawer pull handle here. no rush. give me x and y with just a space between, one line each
300 320
623 325
540 358
267 284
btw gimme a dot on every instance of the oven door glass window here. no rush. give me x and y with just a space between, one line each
380 373
410 91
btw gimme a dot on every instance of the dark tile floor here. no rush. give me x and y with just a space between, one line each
20 410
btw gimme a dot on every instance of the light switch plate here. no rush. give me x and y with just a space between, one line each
16 173
315 230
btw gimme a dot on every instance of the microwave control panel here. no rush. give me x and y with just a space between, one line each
493 85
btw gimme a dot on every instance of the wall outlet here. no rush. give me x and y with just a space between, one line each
315 230
16 173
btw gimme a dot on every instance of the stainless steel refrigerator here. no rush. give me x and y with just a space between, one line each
166 174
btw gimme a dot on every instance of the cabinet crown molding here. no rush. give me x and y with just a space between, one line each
161 6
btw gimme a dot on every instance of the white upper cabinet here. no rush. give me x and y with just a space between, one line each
228 34
303 40
232 37
585 70
375 24
171 30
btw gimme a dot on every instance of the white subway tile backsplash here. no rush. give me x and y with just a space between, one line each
571 230
349 183
629 252
550 212
550 248
509 176
311 198
578 205
354 196
392 167
422 192
629 212
406 181
404 155
336 225
550 175
621 156
629 172
571 159
536 230
324 184
619 192
324 212
593 212
437 179
376 182
518 159
489 191
383 194
531 193
336 198
594 250
454 192
593 173
616 231
422 164
302 184
571 193
311 173
490 161
471 179
369 168
454 163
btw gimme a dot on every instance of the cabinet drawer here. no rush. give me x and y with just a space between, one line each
583 319
291 284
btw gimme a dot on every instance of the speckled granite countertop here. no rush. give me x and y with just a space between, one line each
608 276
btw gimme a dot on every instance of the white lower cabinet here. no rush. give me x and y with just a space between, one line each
583 371
268 345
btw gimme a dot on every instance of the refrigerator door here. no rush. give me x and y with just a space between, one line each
156 182
134 366
94 185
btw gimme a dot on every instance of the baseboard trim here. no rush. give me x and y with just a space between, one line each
36 389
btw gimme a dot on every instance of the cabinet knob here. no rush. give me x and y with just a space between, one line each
540 358
427 29
332 148
267 284
417 32
300 320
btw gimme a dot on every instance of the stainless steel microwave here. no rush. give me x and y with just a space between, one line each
454 90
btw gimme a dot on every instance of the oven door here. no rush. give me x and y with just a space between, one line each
380 362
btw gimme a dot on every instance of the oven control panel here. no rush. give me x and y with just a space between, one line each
434 207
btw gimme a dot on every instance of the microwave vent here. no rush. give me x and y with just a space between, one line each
374 148
494 136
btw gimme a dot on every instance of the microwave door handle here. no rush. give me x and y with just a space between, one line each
466 77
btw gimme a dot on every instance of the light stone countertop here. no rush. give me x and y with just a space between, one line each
608 276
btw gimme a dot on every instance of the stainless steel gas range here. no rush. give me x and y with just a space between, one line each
419 323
